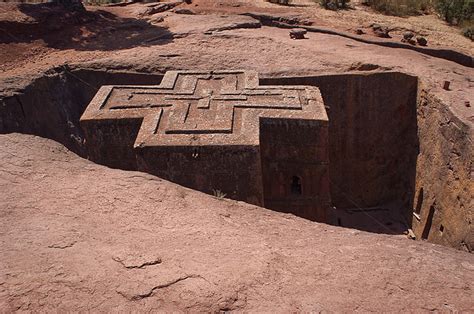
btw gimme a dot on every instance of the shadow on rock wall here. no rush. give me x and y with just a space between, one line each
61 28
373 147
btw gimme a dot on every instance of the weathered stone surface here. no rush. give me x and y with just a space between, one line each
444 178
381 31
196 24
76 236
154 8
422 41
184 11
408 35
297 33
219 131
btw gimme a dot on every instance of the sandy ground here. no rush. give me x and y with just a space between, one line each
82 237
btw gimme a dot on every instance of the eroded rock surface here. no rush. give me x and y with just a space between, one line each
78 236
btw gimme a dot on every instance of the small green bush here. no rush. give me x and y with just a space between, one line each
468 32
218 193
456 12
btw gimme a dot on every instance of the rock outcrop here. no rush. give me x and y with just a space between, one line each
79 236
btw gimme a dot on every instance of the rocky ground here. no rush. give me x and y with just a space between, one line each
78 236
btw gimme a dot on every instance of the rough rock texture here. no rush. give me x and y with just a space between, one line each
52 104
154 8
444 178
78 236
189 24
297 33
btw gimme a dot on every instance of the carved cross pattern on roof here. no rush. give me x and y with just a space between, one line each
205 108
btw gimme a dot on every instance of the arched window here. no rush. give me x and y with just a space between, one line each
296 185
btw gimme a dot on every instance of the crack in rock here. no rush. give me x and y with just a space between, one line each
62 245
139 266
236 25
137 297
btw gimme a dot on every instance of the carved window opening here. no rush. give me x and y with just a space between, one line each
195 153
296 188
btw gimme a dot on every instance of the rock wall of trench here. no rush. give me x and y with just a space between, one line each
51 105
444 199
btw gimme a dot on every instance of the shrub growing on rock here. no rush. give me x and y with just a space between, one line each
455 12
458 12
469 32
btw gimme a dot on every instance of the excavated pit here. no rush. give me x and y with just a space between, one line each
386 158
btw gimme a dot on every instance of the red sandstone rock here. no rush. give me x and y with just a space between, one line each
422 41
29 54
81 237
297 33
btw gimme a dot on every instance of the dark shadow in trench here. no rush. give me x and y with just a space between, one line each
373 147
